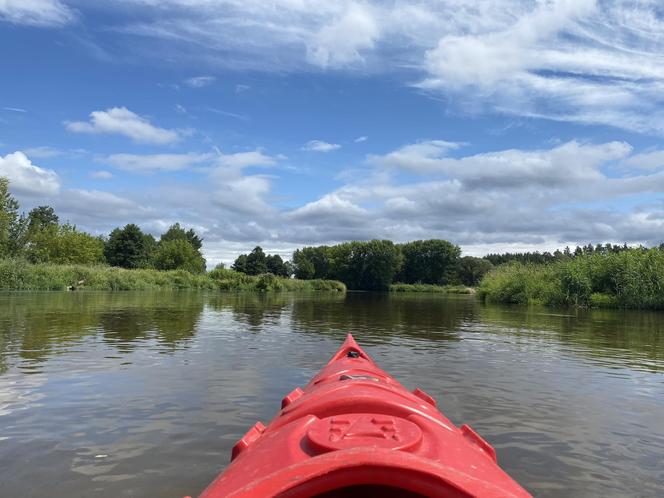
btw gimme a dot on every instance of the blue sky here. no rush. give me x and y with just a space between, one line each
499 125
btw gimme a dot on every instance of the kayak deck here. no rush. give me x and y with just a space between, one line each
353 430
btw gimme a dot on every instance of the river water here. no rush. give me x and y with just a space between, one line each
144 394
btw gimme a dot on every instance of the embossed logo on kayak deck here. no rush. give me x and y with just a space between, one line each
364 429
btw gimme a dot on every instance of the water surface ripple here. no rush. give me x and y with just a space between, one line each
144 394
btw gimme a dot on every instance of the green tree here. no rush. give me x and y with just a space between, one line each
365 265
64 245
303 267
42 217
129 247
429 261
276 266
240 263
178 254
471 270
176 232
256 262
12 225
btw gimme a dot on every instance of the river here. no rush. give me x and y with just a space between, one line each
144 394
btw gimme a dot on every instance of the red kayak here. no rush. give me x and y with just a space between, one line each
355 431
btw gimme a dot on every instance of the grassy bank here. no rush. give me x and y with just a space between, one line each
442 289
16 274
633 278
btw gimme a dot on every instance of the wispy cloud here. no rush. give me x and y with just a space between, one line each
14 109
199 81
361 139
581 61
101 175
122 121
145 163
320 146
42 13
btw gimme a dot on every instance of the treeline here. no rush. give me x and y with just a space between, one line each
557 255
39 238
373 265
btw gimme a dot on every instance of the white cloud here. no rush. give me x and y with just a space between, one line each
42 152
241 160
43 13
242 88
156 162
647 160
341 42
361 139
585 61
26 178
101 175
122 121
320 146
330 207
199 81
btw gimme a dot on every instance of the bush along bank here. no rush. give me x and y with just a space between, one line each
18 274
632 278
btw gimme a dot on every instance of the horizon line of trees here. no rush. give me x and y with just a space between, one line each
39 237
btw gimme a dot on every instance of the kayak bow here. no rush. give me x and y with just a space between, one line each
355 431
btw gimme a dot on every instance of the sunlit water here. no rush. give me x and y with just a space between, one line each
144 394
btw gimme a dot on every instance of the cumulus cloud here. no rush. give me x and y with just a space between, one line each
145 163
26 178
320 146
199 81
122 121
42 13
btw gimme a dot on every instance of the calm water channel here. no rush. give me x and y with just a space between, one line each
143 394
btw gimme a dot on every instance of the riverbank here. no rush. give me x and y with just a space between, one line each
633 278
429 288
17 274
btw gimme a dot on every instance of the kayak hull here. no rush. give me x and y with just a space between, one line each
353 430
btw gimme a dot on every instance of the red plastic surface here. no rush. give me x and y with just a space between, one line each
354 428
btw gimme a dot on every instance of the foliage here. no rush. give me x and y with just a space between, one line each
429 261
129 247
258 263
12 225
471 270
178 254
276 266
176 232
42 217
629 278
63 245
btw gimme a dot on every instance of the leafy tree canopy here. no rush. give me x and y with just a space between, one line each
129 247
176 232
178 254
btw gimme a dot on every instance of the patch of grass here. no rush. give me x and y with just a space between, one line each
18 274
